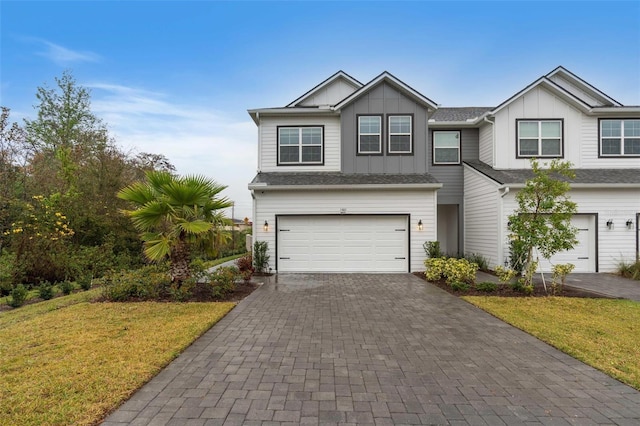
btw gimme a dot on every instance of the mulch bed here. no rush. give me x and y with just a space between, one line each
507 291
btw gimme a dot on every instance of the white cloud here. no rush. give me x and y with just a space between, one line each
64 56
197 139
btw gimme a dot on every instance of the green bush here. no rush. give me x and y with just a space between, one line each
505 275
517 255
7 269
146 283
487 286
629 270
18 296
84 282
435 268
478 259
261 256
451 269
432 249
223 281
460 286
245 266
45 290
66 287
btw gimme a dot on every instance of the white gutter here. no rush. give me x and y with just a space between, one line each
264 187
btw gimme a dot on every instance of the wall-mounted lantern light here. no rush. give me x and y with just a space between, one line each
629 224
420 226
610 224
265 226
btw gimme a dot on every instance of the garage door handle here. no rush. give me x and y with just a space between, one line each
285 258
401 230
400 257
283 230
582 258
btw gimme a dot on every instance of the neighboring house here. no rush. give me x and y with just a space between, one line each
356 177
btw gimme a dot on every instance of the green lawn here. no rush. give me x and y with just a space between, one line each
70 361
603 333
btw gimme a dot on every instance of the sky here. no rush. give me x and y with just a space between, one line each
177 78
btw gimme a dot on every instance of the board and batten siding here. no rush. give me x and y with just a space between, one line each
268 135
572 88
486 144
620 205
481 216
536 104
419 204
383 99
331 94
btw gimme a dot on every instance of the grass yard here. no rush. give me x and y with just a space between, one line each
68 361
603 333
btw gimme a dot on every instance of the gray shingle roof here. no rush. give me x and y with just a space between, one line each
593 176
459 113
335 178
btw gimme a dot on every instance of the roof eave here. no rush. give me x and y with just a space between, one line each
265 187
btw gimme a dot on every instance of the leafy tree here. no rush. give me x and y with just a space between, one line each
542 220
173 214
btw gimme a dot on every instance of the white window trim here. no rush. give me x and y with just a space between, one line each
539 138
622 137
300 145
435 132
410 134
379 134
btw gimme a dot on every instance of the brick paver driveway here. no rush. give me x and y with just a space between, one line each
383 349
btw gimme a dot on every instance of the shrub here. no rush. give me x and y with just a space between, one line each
435 268
260 256
505 275
432 249
146 283
245 266
629 270
559 275
460 286
518 255
45 290
487 286
18 296
85 282
7 269
66 286
223 281
478 259
460 270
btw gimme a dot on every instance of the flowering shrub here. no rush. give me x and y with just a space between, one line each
435 268
505 275
452 269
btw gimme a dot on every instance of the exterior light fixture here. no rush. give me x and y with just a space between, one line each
420 226
265 226
629 224
610 224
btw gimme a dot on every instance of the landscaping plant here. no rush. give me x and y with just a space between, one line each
261 256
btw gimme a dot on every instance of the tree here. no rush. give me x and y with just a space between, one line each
542 220
173 214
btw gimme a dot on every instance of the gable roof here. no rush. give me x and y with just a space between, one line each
394 81
584 177
588 88
339 75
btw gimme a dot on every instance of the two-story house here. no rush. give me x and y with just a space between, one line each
356 177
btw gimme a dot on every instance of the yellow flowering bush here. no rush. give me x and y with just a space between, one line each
451 269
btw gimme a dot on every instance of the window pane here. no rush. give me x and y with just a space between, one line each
399 143
400 124
551 129
289 154
528 129
611 147
632 146
369 143
631 128
551 147
288 136
446 155
528 147
311 136
446 139
611 128
311 154
369 124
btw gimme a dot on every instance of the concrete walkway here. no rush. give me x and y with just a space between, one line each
372 349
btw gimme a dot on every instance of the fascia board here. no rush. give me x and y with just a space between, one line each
263 187
594 91
339 74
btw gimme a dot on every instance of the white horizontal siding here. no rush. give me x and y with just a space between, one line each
619 205
481 213
269 143
420 204
331 94
591 146
486 144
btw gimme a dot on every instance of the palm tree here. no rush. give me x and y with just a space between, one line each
173 213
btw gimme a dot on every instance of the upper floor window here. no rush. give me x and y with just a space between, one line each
620 137
300 145
446 147
400 134
369 134
539 138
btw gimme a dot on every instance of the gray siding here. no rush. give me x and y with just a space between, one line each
452 176
383 99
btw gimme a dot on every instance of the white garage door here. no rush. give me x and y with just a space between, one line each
346 243
583 254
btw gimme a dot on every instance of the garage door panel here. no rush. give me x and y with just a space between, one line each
583 255
366 243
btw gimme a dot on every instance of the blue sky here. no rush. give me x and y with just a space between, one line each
177 77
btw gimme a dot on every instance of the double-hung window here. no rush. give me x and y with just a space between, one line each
539 138
400 134
620 138
446 147
369 134
300 145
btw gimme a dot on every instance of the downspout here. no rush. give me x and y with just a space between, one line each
501 255
259 143
493 141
